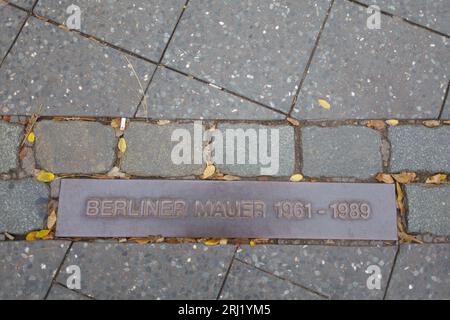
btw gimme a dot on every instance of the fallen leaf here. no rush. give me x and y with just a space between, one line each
116 173
404 177
31 236
223 242
212 242
376 124
45 176
230 178
163 122
51 220
293 121
42 233
9 236
400 198
252 243
141 240
296 178
392 122
384 177
324 104
437 179
122 145
446 122
24 152
431 123
115 123
31 137
210 170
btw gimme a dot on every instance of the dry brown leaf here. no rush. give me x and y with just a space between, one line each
51 220
403 236
116 173
400 198
446 122
431 123
9 236
437 179
230 178
384 177
115 123
141 240
376 124
404 177
210 170
293 121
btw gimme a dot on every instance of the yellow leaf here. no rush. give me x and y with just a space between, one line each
51 220
384 177
392 122
437 179
122 145
296 178
400 197
252 243
212 242
404 177
31 137
210 170
42 233
324 104
45 176
31 236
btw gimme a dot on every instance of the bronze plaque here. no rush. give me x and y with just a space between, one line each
225 209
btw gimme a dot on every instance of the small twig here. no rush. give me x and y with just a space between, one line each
144 101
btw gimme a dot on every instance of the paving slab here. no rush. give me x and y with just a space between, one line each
428 209
334 271
10 137
421 272
54 72
59 292
132 271
150 148
446 111
174 96
432 14
256 48
276 143
143 27
398 71
27 268
418 148
23 205
75 146
26 4
12 20
345 151
248 283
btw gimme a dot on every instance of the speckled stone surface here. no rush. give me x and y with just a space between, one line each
346 151
141 26
150 147
12 20
276 143
256 48
68 75
399 71
75 146
247 283
433 14
335 271
446 112
421 272
174 96
23 205
27 268
10 137
26 4
132 271
428 209
418 148
59 292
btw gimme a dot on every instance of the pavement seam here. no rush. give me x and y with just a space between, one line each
58 270
285 279
441 112
308 64
227 273
392 271
76 291
392 15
